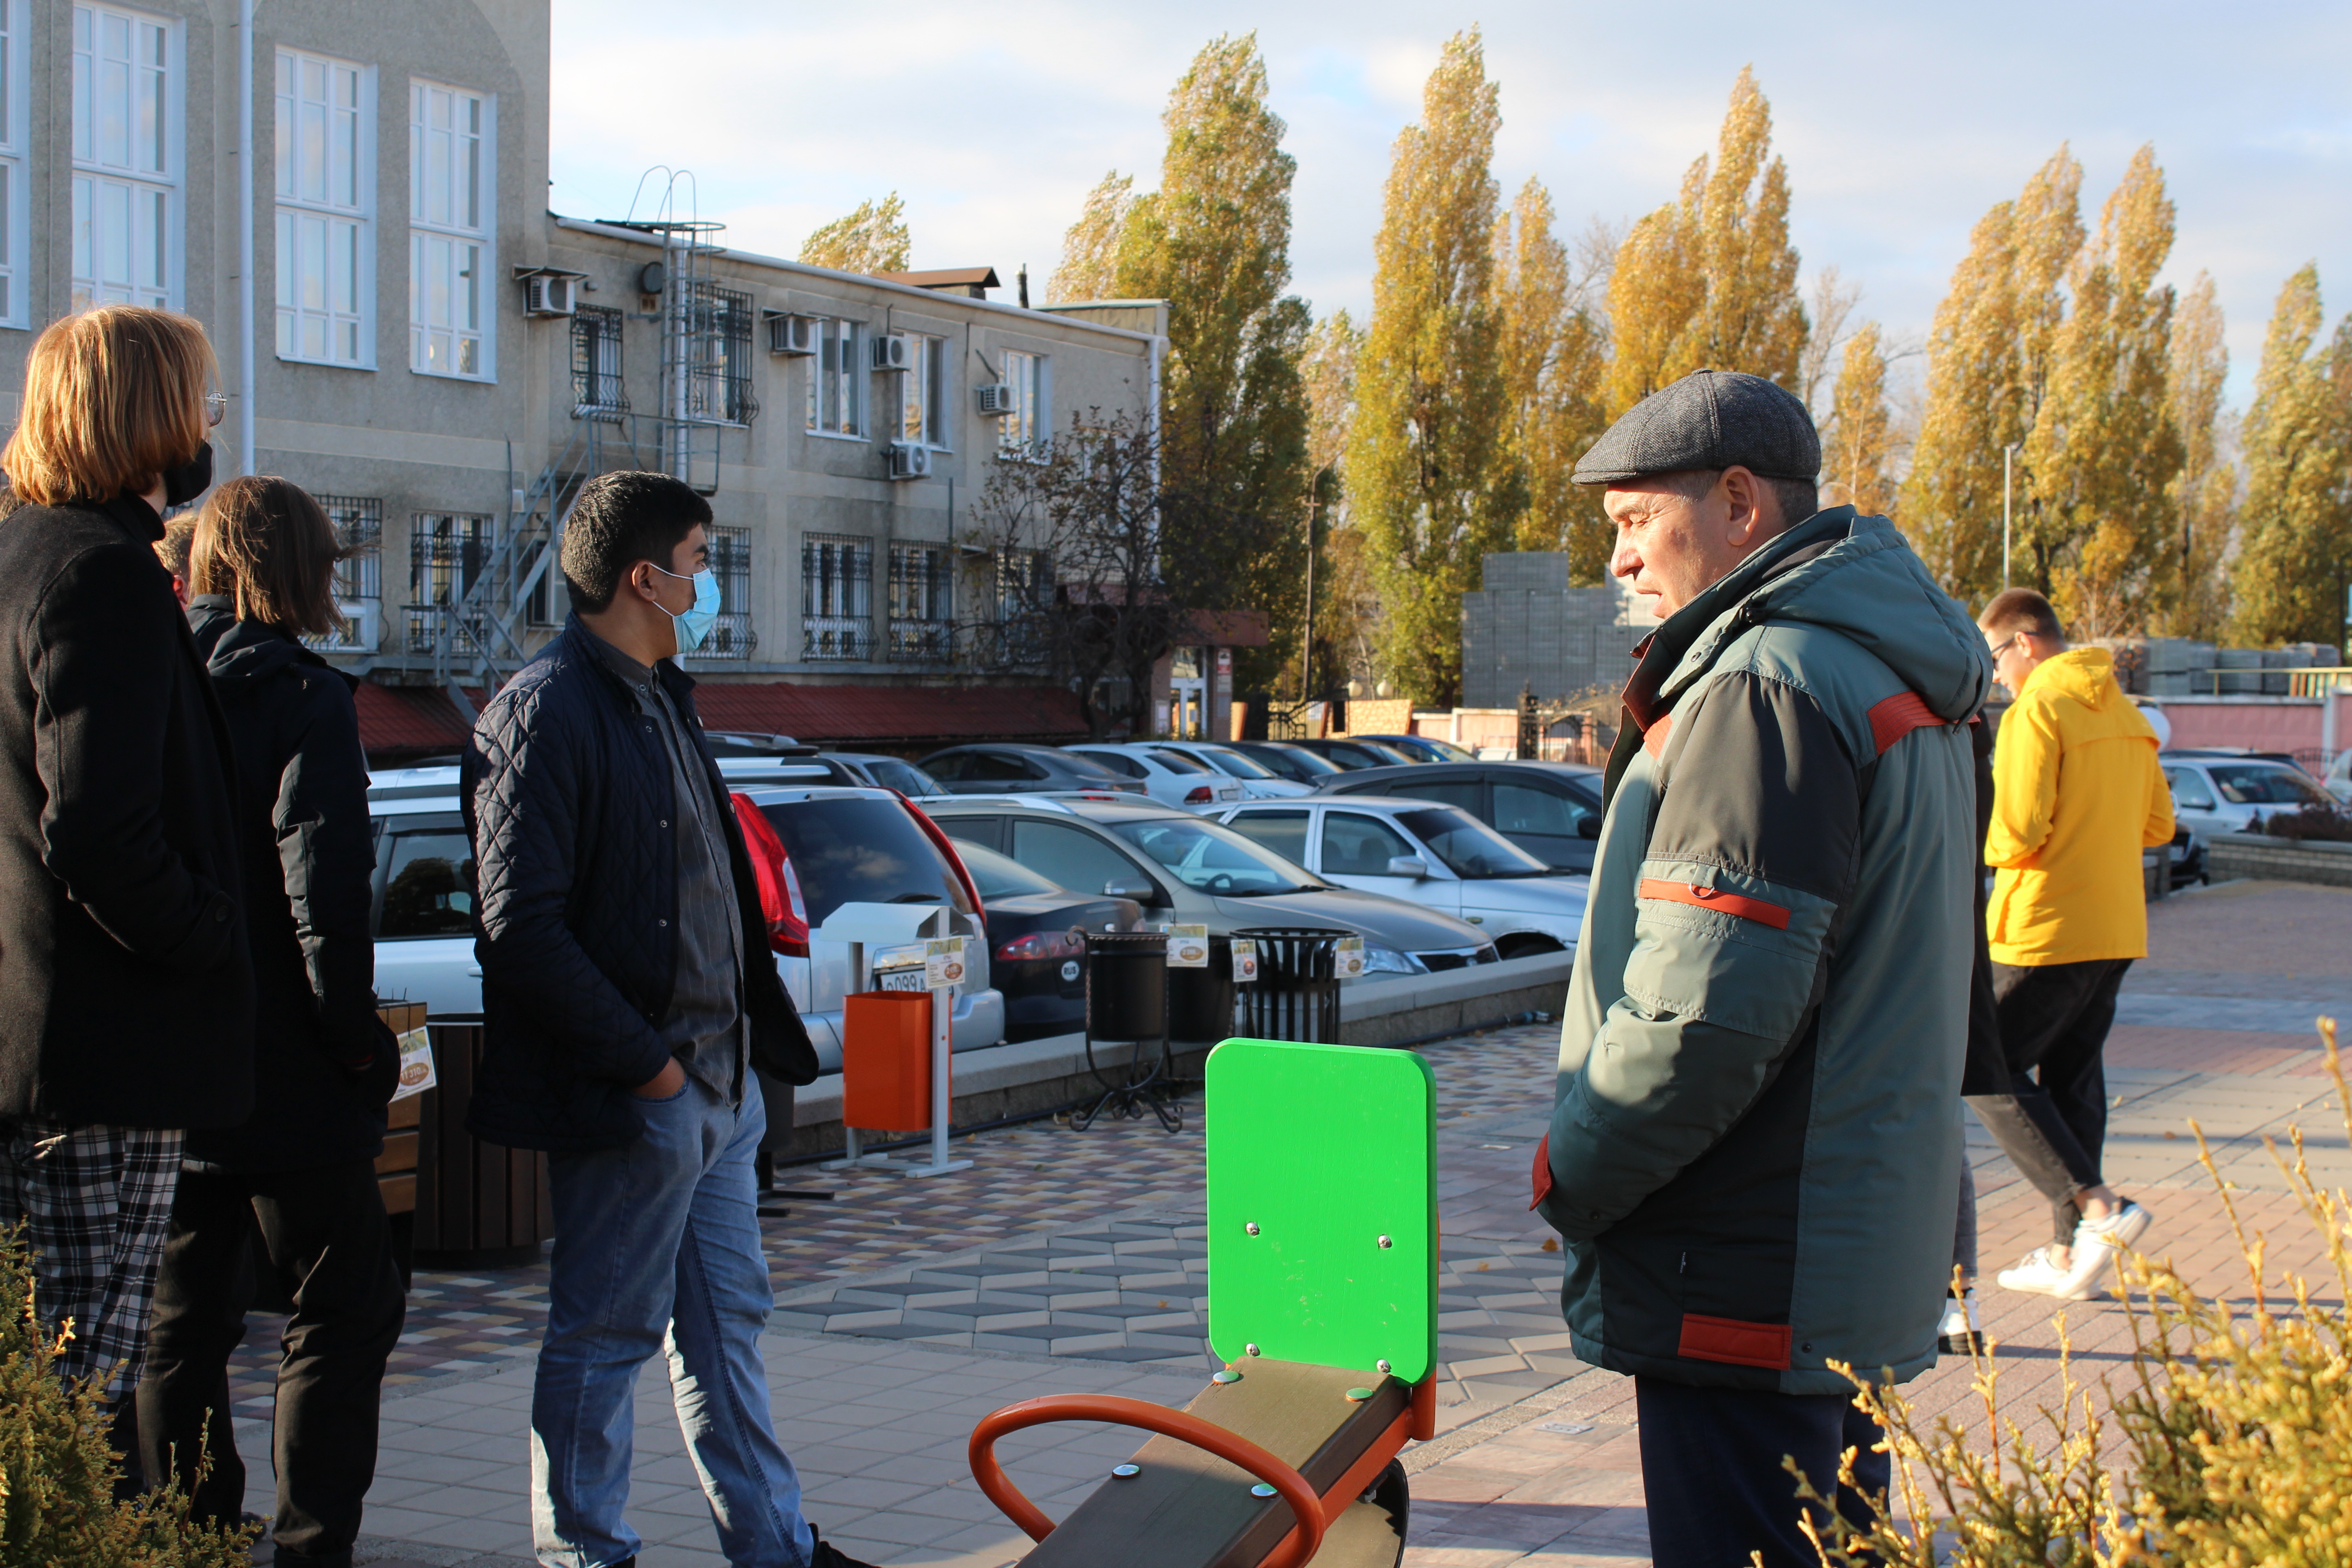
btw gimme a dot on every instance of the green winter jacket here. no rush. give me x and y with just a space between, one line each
1754 1154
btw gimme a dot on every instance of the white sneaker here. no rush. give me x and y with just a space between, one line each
2120 1229
2037 1273
1957 1334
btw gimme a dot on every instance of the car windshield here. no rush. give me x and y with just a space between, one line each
1000 875
2252 783
1314 763
904 777
1213 858
862 850
1449 751
1468 846
1237 765
1177 762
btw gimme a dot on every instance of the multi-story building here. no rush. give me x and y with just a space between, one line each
420 342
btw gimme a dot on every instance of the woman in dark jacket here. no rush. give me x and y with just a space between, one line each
261 576
126 1000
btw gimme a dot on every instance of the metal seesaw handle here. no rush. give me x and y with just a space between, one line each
1305 1508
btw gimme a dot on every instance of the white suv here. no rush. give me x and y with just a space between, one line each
826 845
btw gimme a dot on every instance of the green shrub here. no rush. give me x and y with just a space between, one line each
58 1508
2235 1431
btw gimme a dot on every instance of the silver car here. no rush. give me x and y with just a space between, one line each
2220 792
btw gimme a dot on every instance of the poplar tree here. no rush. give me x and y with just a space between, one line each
1856 450
1089 266
2294 560
871 239
1432 481
2204 494
1346 611
1988 366
1551 360
1709 282
2103 450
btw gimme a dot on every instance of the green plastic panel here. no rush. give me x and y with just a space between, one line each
1325 1149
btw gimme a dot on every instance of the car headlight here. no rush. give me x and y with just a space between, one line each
1379 960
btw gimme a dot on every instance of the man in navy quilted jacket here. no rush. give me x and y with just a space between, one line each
624 1010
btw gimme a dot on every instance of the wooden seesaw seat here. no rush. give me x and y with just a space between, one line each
1323 1306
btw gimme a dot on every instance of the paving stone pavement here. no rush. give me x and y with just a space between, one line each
1537 1461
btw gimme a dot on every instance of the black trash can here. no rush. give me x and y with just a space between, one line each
1296 996
1200 1001
1127 986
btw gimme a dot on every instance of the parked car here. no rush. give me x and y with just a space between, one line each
1287 761
2224 792
1187 871
1036 936
1171 778
2188 852
992 769
1551 810
1355 751
1258 781
1426 853
841 843
1422 748
2339 777
886 773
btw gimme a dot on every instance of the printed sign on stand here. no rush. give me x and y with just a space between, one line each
1244 960
416 1074
1348 958
1188 947
943 962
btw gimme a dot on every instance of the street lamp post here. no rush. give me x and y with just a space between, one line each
2007 453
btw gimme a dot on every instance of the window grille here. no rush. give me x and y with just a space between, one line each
596 363
446 553
1021 590
359 575
920 600
730 562
836 598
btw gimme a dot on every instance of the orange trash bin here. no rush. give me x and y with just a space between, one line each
886 1061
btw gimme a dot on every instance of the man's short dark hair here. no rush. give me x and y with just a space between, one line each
1799 499
619 520
2015 610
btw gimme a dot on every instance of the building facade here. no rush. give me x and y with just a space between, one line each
444 362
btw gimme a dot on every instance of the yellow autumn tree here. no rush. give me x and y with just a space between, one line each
1089 265
2196 601
1709 282
1551 360
2295 559
1856 450
871 239
1432 480
1346 605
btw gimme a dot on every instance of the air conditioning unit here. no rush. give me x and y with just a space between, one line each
909 461
550 294
893 352
791 335
995 399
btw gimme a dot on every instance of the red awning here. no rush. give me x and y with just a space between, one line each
400 723
903 715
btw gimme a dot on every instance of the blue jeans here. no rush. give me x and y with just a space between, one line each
657 1248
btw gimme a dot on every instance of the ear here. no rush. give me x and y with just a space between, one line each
1745 492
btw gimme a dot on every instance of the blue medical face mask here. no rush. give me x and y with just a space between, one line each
695 623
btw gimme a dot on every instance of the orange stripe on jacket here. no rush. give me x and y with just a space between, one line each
1702 896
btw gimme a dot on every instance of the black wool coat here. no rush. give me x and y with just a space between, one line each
323 1064
568 796
126 989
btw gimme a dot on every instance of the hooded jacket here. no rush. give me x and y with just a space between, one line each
323 1064
1754 1153
2078 795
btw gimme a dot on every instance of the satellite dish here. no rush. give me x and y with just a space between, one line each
652 278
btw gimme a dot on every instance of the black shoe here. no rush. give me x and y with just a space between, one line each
828 1556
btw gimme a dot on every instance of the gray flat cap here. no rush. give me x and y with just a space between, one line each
1708 419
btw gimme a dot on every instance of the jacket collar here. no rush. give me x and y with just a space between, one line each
580 643
131 514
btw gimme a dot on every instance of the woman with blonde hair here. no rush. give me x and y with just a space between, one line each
126 994
302 1168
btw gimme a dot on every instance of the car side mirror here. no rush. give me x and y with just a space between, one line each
1408 866
1588 827
1141 892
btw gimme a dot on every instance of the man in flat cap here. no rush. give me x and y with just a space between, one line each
1754 1154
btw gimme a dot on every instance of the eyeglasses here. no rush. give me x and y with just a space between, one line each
2003 647
215 407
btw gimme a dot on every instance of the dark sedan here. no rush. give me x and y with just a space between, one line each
1038 950
1285 759
1357 752
1551 810
1422 748
999 768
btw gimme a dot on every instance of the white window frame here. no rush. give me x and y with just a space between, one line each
838 369
436 246
314 225
1024 431
152 201
924 395
16 201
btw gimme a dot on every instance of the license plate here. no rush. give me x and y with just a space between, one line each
900 979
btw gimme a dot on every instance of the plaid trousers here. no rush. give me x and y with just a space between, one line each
95 1201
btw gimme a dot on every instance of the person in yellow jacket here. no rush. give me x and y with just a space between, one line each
2077 793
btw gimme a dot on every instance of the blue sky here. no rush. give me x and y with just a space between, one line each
1901 124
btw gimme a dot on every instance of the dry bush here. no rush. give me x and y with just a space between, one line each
2318 823
56 1474
2230 1447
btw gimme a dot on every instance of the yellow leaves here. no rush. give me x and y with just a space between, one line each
1089 268
1855 457
871 239
2297 555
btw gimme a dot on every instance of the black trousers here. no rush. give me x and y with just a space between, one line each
1712 1477
326 1236
2051 1119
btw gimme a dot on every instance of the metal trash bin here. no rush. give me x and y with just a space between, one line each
1126 1003
1200 1001
1296 996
